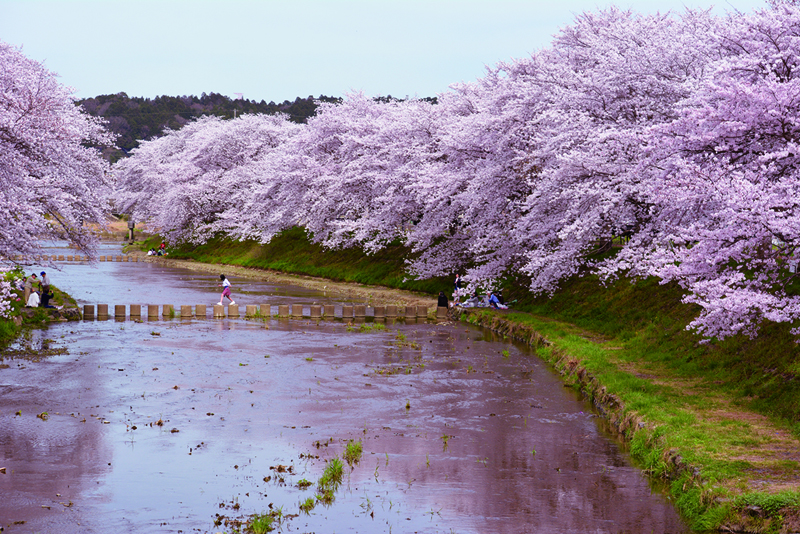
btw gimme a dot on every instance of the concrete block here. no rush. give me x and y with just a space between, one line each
186 312
250 310
391 311
88 311
422 311
283 310
167 311
119 310
297 310
266 310
70 258
152 311
233 310
54 257
359 311
101 258
136 258
119 258
200 311
379 312
219 311
441 312
60 257
102 310
411 312
347 312
136 311
329 310
316 312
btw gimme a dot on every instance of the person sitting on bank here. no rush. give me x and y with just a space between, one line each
33 300
443 303
495 301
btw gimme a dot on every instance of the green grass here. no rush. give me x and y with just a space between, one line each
293 252
307 505
260 524
8 331
352 452
332 476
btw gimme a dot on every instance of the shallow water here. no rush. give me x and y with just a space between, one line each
521 453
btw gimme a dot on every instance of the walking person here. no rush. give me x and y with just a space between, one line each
226 290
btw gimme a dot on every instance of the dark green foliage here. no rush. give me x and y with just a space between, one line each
136 118
770 503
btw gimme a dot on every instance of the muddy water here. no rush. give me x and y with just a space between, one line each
458 435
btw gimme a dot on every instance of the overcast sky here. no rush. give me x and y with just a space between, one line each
277 50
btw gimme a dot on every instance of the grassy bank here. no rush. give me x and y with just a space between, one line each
21 317
291 252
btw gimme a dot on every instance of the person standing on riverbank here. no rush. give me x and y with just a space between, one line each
226 290
29 281
45 282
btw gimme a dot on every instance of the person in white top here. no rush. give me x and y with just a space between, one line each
33 300
226 289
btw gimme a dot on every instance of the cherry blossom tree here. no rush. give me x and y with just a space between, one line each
183 183
543 153
727 184
52 182
676 132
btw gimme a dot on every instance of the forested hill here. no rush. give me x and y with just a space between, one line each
135 118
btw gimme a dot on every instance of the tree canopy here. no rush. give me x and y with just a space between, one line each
674 136
52 178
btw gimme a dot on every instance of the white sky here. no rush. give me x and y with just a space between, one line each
278 50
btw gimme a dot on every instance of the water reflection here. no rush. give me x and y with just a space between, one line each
154 425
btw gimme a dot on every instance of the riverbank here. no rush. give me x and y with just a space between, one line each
719 422
22 317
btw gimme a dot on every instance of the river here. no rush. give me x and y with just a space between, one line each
173 425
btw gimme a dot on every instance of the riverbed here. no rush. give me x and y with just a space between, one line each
189 425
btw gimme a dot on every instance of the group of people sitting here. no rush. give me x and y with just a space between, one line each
162 250
491 299
488 300
37 292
